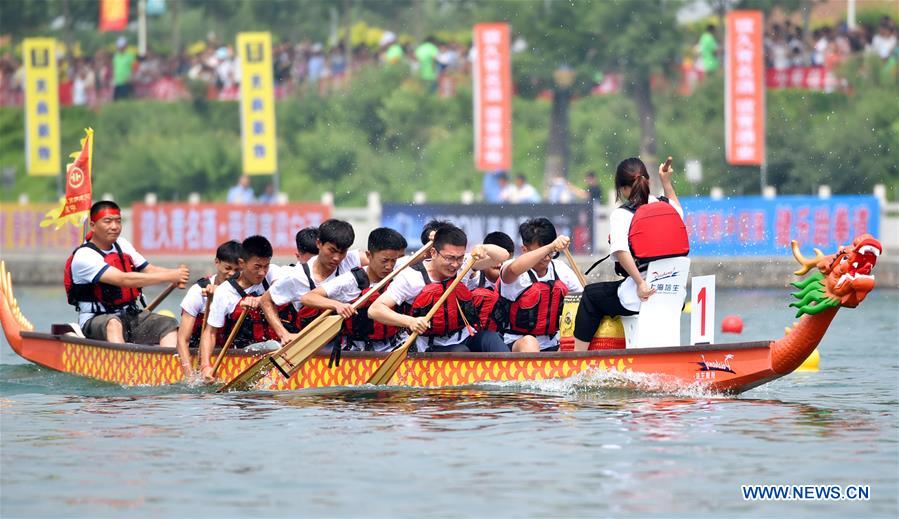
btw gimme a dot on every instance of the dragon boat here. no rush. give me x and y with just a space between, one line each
842 279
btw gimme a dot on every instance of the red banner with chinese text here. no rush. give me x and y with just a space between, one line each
492 97
744 89
113 15
200 228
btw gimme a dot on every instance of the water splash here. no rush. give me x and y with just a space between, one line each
599 381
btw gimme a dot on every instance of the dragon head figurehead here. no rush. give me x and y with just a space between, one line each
841 279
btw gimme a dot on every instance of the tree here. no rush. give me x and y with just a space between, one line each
570 42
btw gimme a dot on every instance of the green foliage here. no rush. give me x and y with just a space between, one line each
387 134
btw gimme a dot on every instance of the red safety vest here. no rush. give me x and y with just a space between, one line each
484 298
446 321
254 328
536 310
361 327
194 340
657 231
111 297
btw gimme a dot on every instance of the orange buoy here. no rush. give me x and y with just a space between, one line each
732 324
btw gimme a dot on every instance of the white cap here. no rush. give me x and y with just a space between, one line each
121 42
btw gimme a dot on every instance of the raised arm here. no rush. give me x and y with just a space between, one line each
527 260
665 173
490 256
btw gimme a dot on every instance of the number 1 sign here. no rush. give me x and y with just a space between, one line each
702 315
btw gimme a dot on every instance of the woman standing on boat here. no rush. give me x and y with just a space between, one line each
624 297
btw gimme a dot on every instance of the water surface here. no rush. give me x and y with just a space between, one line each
588 446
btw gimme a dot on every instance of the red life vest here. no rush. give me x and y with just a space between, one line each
194 340
446 321
295 320
657 231
361 327
104 298
536 310
254 328
484 298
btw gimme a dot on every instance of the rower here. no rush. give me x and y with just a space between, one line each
103 280
240 294
658 229
418 287
281 303
361 333
193 306
483 283
307 247
532 289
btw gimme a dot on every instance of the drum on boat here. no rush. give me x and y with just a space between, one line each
609 335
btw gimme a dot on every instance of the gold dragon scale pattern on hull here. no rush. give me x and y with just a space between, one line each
139 368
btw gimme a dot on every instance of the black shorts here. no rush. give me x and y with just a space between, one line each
141 328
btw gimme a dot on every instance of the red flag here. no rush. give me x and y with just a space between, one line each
113 15
77 203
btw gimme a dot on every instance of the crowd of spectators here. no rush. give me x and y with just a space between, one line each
312 67
786 45
307 66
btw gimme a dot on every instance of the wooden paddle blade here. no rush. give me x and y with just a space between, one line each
386 370
292 358
247 379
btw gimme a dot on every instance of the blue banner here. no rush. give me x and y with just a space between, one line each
756 226
477 220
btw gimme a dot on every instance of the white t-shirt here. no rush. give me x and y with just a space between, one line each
275 272
512 290
620 225
88 267
404 289
194 302
345 288
293 283
225 301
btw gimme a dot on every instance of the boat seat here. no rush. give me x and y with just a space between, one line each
658 322
67 329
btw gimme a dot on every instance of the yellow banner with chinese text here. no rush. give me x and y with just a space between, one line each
42 156
257 104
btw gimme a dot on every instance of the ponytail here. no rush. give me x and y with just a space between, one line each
639 191
632 173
